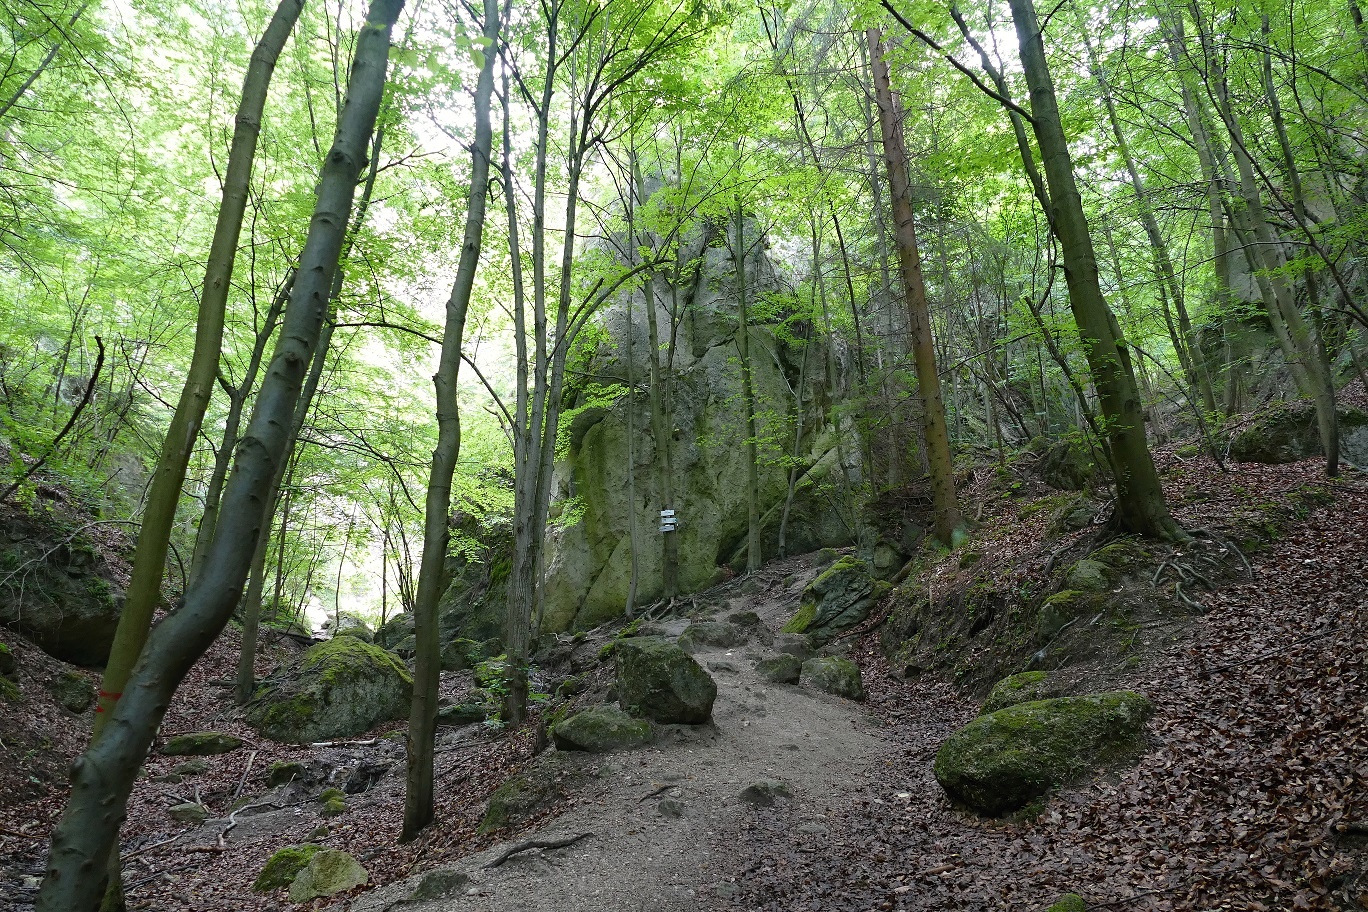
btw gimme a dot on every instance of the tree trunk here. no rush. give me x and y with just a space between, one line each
939 460
237 400
1140 504
418 802
154 535
103 776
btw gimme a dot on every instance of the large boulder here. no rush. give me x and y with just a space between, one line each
1290 434
837 600
478 565
834 675
1003 761
599 730
337 689
658 680
327 873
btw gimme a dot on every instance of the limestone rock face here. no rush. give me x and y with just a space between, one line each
1289 434
337 689
588 558
1001 762
837 600
599 730
834 676
328 873
658 680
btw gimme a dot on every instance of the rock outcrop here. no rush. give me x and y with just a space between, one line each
337 689
1289 434
1001 762
60 591
837 600
588 567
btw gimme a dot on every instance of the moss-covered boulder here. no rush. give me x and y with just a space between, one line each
1068 902
327 873
541 783
282 867
1025 687
780 669
337 689
283 772
390 633
838 599
332 802
72 691
200 744
191 812
711 634
834 675
658 680
1289 434
794 644
1088 576
67 600
1060 610
359 632
457 714
1003 761
600 730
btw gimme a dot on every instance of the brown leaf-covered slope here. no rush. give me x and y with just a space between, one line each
1251 795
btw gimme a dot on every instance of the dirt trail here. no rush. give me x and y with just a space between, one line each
640 856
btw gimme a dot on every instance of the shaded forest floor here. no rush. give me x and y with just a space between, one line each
1250 796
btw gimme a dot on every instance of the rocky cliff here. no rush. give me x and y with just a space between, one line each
608 428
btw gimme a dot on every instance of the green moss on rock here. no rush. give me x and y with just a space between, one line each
280 869
1068 902
334 802
659 680
9 691
834 676
801 620
1026 687
1003 761
285 771
600 730
780 669
538 785
339 688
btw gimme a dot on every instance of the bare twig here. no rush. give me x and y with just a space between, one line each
251 758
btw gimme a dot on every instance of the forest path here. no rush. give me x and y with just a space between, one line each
641 856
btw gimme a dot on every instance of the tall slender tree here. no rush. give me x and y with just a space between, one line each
103 776
418 806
